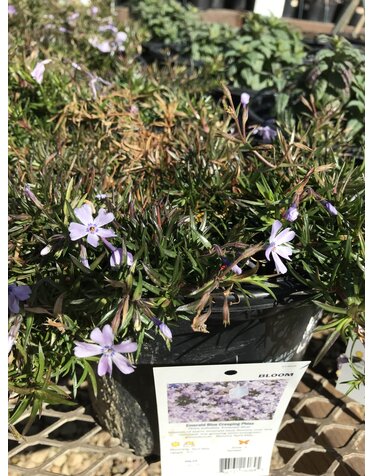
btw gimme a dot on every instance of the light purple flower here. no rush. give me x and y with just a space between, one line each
76 66
62 29
235 269
101 196
13 332
267 133
38 71
91 226
238 392
163 328
12 10
29 194
103 46
108 27
121 37
73 17
244 99
110 352
16 294
329 207
292 213
134 109
94 11
94 81
84 257
116 258
276 248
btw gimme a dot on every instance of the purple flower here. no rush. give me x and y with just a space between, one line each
121 37
267 133
84 257
116 258
235 269
16 294
107 46
101 196
329 207
110 352
94 80
73 17
276 248
12 10
163 328
108 27
13 332
292 213
29 194
94 11
103 46
134 109
91 226
244 99
38 71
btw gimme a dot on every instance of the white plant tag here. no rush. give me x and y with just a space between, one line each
222 419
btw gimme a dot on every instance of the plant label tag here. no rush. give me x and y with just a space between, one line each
222 419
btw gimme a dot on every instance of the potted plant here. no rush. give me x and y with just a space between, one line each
145 219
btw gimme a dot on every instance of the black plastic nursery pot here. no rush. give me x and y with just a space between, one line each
261 103
267 331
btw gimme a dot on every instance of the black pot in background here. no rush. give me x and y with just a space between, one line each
265 332
261 104
217 4
236 4
322 10
357 16
201 4
290 9
157 51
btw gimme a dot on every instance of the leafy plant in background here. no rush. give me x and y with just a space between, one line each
335 79
168 22
180 28
264 51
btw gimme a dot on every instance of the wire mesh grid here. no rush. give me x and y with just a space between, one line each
322 433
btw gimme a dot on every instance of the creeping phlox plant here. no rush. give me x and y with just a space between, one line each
134 199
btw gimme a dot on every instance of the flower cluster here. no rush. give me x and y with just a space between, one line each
115 43
224 401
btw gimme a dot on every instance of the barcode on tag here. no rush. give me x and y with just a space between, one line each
228 465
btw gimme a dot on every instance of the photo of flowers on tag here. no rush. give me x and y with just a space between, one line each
224 401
